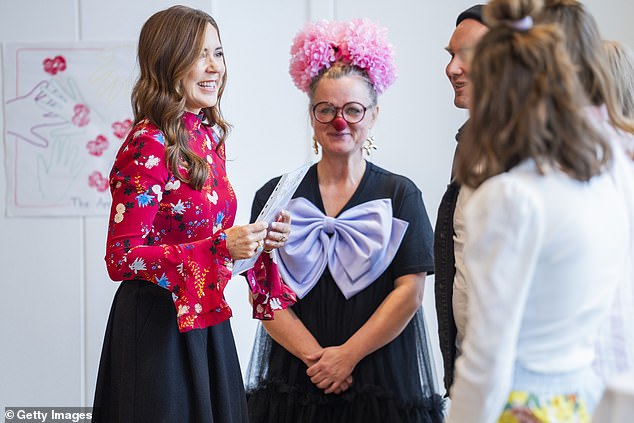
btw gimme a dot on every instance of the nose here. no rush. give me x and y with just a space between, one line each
454 67
213 64
210 64
339 123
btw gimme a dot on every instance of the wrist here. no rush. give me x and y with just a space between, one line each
307 354
353 351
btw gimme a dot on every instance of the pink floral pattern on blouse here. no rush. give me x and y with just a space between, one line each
163 231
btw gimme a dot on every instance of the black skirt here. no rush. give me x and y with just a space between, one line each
150 372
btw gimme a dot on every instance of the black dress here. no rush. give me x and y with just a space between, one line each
395 383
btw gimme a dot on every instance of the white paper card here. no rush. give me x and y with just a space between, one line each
278 200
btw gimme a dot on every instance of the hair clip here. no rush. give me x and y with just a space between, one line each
523 24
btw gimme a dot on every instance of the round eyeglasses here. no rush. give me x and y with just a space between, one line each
352 112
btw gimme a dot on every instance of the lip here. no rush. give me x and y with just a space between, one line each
212 85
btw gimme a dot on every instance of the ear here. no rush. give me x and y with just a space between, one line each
374 114
311 117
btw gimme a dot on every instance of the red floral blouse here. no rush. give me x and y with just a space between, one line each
164 231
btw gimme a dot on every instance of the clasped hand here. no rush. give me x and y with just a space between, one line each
332 369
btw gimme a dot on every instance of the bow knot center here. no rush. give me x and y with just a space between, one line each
329 225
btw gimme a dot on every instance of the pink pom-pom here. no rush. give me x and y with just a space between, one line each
360 43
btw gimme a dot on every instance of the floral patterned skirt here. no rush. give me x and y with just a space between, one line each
525 407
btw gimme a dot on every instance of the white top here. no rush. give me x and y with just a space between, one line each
460 294
542 256
615 344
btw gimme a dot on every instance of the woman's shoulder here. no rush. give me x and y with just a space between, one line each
516 192
310 177
143 149
145 130
392 182
519 181
267 189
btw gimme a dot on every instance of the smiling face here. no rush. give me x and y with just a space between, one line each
339 138
203 80
464 39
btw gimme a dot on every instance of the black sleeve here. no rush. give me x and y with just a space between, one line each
416 252
261 196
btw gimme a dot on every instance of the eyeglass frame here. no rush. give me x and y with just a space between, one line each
337 109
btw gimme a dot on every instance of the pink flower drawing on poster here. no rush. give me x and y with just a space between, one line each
97 146
81 116
98 181
54 65
121 129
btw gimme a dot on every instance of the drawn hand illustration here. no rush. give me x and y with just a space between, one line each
50 105
32 105
58 171
66 103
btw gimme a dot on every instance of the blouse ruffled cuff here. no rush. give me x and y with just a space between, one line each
199 301
268 291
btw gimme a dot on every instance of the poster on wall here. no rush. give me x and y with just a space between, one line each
67 111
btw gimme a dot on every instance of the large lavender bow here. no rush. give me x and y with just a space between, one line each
357 246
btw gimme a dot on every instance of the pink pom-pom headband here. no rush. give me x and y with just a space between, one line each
360 43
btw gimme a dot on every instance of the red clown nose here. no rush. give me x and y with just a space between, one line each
339 123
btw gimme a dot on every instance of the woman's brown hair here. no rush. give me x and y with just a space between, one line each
584 45
526 103
170 42
621 65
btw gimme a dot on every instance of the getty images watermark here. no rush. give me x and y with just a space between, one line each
47 414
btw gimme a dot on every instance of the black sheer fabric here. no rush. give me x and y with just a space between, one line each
395 383
151 373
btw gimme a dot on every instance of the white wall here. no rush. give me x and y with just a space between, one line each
55 293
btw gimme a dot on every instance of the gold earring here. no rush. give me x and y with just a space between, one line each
315 146
369 145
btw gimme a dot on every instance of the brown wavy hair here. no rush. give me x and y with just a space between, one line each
526 102
584 45
621 65
170 42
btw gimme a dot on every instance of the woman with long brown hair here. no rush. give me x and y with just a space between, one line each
545 206
168 353
615 346
620 59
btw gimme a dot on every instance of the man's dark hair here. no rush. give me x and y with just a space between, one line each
474 12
